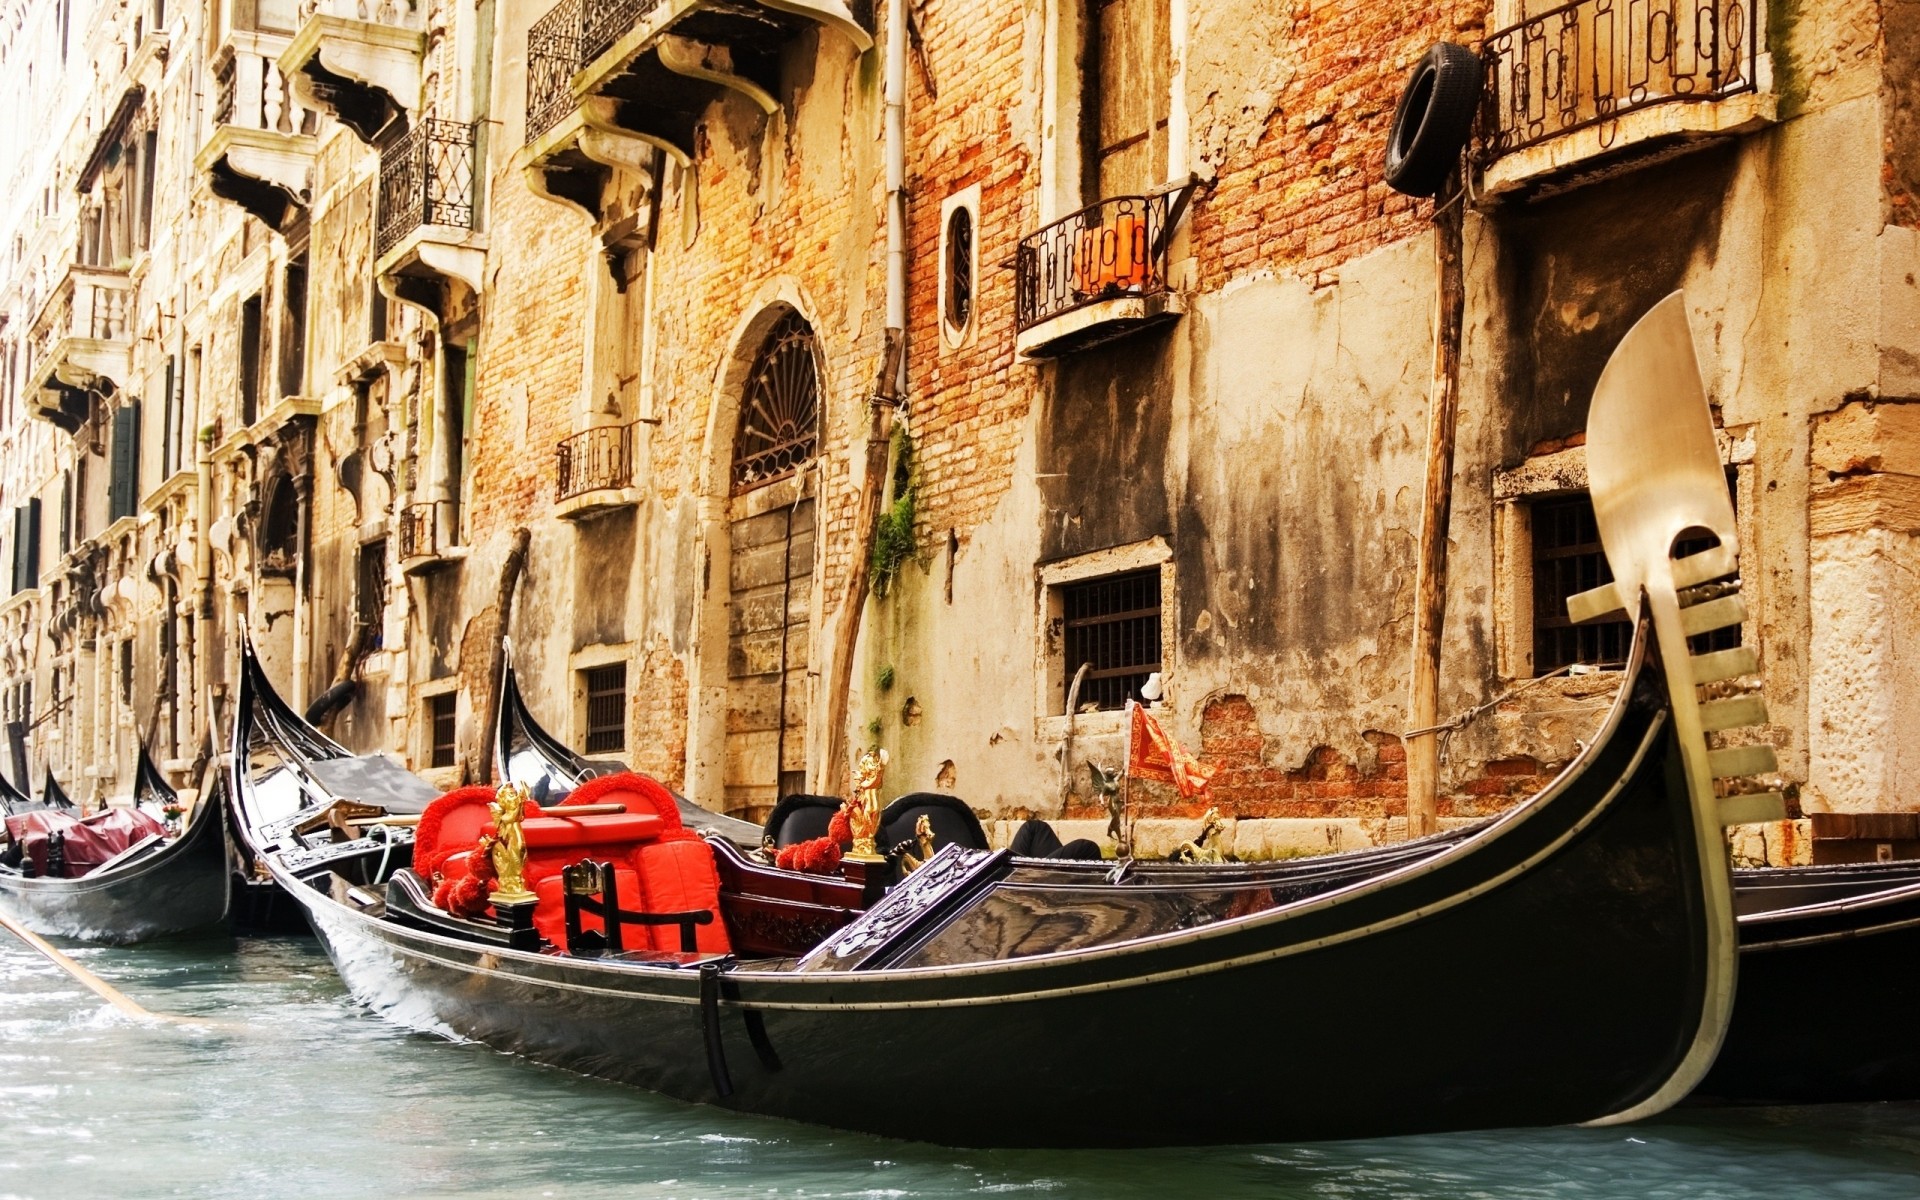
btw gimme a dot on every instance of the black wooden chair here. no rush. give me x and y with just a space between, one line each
953 822
590 888
1036 839
799 818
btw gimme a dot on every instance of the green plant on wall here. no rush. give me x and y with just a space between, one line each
893 540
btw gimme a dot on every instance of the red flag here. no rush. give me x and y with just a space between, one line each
1152 754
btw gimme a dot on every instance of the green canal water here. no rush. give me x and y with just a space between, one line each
297 1093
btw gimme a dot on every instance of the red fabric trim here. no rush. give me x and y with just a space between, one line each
637 792
678 875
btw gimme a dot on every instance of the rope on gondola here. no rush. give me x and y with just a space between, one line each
94 983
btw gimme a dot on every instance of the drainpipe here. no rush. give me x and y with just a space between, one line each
895 99
205 642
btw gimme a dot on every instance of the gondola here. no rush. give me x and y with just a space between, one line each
13 800
960 1006
311 814
525 753
52 795
155 887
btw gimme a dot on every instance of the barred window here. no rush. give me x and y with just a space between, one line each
1568 560
1112 625
440 710
959 299
606 689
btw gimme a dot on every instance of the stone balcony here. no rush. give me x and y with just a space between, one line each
610 82
79 346
358 61
426 237
594 472
1590 88
260 152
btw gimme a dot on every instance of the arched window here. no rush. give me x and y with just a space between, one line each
780 411
280 531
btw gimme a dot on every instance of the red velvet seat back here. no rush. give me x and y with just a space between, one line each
638 793
451 823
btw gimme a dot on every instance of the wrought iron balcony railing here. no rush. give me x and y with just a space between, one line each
427 529
1592 62
607 21
553 58
597 459
1116 248
426 178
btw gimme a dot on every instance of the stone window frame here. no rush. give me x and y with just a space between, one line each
1556 475
958 337
1050 681
424 695
588 658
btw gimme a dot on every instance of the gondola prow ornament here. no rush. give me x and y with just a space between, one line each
509 848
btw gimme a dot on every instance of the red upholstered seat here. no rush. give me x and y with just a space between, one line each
637 792
678 875
451 823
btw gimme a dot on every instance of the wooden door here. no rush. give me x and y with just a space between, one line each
768 649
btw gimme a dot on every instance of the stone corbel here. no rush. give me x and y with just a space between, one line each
334 53
713 64
832 13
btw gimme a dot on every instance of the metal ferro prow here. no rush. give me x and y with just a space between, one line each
1655 474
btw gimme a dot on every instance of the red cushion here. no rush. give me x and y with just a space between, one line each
637 792
451 822
678 875
550 915
599 830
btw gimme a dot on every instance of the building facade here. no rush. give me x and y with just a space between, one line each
392 334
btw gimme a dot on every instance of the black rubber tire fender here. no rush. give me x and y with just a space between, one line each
1434 119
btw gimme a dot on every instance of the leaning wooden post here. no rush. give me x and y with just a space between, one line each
866 521
1430 579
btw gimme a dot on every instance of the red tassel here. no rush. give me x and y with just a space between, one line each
840 828
818 856
467 897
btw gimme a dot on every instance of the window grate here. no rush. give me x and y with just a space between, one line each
959 269
1113 626
779 414
606 708
1568 560
440 710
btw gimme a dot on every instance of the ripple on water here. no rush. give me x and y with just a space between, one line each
295 1091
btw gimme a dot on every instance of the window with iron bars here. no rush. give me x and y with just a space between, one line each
1112 625
606 689
440 720
1568 560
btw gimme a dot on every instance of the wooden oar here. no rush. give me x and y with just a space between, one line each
570 810
99 986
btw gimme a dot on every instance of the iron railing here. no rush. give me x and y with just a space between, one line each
607 21
594 460
426 178
553 58
1591 62
1115 248
425 530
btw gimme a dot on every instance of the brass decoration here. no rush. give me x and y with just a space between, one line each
1197 850
584 878
923 839
863 811
509 849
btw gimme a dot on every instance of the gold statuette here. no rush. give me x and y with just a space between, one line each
863 814
509 850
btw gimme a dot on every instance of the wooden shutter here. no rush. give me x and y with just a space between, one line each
1132 81
66 511
20 567
123 477
167 408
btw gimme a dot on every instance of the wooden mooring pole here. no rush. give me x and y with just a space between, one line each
1430 578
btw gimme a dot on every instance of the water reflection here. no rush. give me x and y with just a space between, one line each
295 1092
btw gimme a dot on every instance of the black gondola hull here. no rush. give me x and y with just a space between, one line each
1828 994
1561 1001
178 888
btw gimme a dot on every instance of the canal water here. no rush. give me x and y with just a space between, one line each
297 1093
